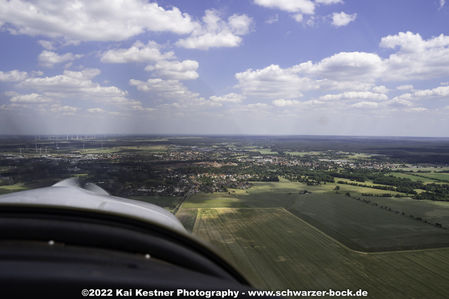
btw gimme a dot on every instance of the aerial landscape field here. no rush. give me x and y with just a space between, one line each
290 146
282 238
289 212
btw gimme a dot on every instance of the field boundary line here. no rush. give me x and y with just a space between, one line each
357 251
323 233
196 219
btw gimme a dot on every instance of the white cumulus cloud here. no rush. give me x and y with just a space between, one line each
75 85
138 52
95 110
303 6
48 45
86 20
30 98
162 64
441 91
166 89
12 76
345 66
327 2
177 70
228 98
357 76
366 105
340 19
355 95
63 109
216 32
404 87
284 103
50 58
416 58
273 82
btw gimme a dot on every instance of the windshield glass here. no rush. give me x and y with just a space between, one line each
305 140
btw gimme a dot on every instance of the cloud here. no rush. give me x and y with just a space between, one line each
405 41
76 86
285 103
63 109
176 70
399 103
413 58
407 99
442 91
176 96
257 106
86 20
215 32
95 110
345 70
272 19
298 17
66 93
355 95
138 52
12 76
273 82
164 64
442 3
56 109
359 75
416 58
340 19
48 45
172 90
365 105
299 8
302 6
228 98
49 58
404 87
380 89
418 109
30 98
327 2
345 66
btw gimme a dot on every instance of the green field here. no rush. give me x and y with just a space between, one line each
276 250
433 211
412 177
444 177
282 237
355 223
358 190
366 227
359 156
264 151
187 218
368 183
302 154
12 188
122 149
420 168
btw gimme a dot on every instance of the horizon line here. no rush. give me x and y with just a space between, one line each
219 135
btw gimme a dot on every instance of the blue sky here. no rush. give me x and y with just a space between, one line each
332 67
